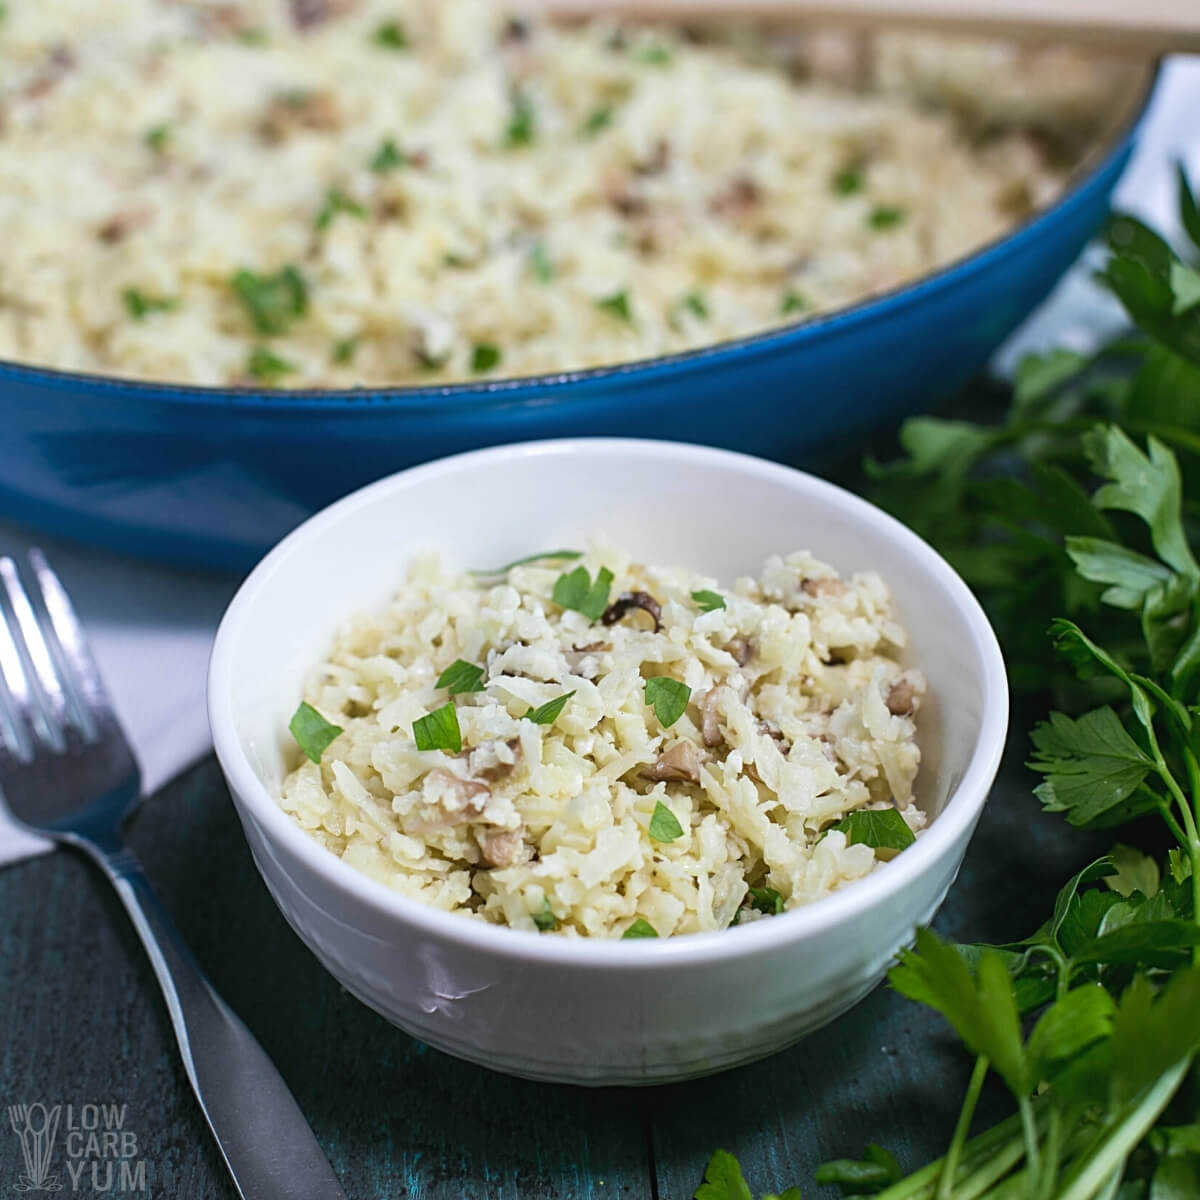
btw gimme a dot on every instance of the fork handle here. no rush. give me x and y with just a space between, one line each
267 1144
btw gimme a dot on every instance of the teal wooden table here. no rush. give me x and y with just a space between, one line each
83 1025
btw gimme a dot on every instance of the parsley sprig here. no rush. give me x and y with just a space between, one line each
1078 511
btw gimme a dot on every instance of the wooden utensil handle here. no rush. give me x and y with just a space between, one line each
1134 25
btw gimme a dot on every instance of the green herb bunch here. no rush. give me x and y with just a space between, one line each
1078 511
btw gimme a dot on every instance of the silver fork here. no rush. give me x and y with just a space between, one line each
66 771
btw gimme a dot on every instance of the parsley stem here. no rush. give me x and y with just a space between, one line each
945 1188
1029 1130
1116 1142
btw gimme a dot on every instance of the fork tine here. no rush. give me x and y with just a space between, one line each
45 697
81 666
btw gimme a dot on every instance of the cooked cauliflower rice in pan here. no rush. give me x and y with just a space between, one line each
373 192
589 745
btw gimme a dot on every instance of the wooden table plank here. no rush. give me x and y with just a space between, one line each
84 1024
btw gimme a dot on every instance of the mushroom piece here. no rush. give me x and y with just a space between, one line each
680 763
308 13
739 199
742 650
291 111
710 724
501 770
827 585
501 847
900 698
471 795
658 161
121 224
630 600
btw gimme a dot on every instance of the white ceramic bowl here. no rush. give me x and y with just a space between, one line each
598 1012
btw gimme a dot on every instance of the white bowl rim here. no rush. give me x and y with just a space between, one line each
961 810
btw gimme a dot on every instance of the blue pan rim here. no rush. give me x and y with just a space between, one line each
531 388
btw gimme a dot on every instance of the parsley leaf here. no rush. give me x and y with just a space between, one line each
390 35
139 306
876 1170
273 301
576 590
884 830
597 121
1092 767
522 121
266 365
344 350
312 732
668 697
980 1005
792 302
723 1179
664 824
547 714
653 54
461 677
158 137
848 181
617 305
641 928
696 304
885 216
540 264
545 920
485 357
766 900
388 157
336 201
708 601
439 730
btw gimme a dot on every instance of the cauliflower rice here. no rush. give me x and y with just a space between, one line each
346 192
798 713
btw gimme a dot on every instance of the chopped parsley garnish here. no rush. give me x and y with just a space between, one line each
708 601
598 120
653 54
344 350
544 556
766 900
547 714
273 301
848 181
664 824
617 305
264 364
522 121
336 201
885 216
881 829
389 157
390 35
158 137
792 302
545 920
139 306
668 697
540 264
695 303
312 732
439 730
485 357
460 677
577 591
641 928
252 37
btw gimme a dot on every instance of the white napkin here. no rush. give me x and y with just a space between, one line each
152 627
